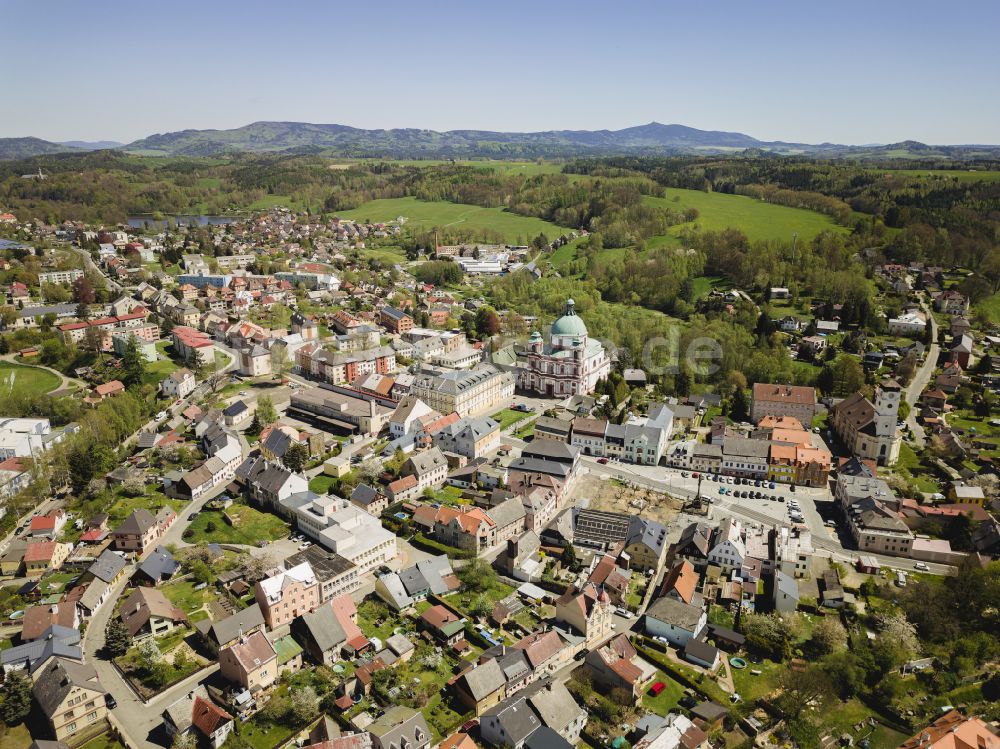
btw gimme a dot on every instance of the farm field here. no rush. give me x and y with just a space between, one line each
427 214
758 220
18 379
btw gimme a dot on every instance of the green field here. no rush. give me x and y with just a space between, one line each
528 168
18 379
758 220
989 308
962 175
427 214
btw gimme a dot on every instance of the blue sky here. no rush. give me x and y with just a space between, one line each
846 72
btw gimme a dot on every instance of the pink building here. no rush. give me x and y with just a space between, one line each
287 594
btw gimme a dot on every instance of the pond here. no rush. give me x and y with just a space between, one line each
141 222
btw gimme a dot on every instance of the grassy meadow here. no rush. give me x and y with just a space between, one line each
18 379
758 220
422 215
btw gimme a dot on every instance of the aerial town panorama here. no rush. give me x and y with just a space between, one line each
335 437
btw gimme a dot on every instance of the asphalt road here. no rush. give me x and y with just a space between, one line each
920 381
826 540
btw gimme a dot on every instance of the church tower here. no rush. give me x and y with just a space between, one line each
887 397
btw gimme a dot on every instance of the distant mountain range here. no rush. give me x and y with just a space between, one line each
345 141
92 145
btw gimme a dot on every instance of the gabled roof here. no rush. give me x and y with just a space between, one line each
59 678
137 523
484 679
208 717
253 651
159 565
682 580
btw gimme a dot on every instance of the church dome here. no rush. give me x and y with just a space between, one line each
570 323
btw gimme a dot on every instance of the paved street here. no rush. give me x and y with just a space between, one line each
826 540
920 380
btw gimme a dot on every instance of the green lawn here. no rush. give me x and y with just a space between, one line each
509 416
450 495
375 617
250 526
756 219
841 718
427 214
909 466
321 483
754 686
152 500
184 596
18 737
18 379
261 735
666 700
156 371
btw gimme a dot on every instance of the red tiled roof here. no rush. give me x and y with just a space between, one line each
39 551
207 716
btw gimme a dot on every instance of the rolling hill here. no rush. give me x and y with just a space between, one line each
653 139
23 148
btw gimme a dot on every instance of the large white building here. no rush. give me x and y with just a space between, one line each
22 438
343 528
571 363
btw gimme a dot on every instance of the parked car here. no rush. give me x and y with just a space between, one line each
110 701
657 688
602 461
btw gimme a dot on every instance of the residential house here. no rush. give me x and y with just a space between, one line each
588 612
613 666
41 556
415 583
429 468
482 686
70 697
369 499
156 568
178 384
445 626
251 662
400 728
675 620
140 530
146 612
330 632
785 593
783 400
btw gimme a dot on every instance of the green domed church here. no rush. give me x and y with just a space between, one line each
570 363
